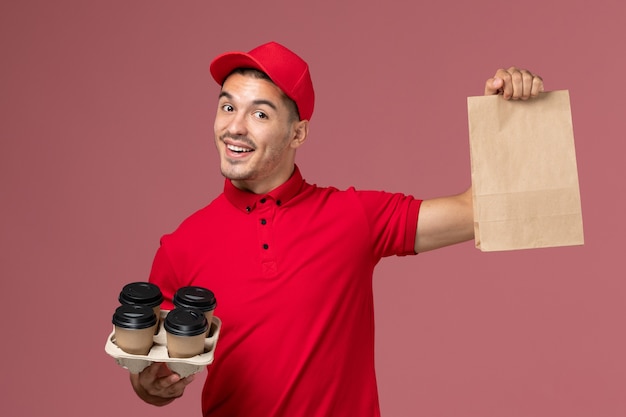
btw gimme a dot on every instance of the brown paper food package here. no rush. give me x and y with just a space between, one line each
524 173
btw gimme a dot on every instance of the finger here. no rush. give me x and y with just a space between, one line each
493 86
507 83
157 378
163 370
167 381
151 372
187 380
175 380
177 389
537 86
526 85
517 83
532 85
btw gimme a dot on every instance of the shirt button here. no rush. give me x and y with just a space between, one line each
278 202
263 200
266 246
248 209
263 222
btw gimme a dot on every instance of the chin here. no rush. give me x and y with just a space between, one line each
232 173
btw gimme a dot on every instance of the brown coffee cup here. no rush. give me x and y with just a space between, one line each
185 332
134 328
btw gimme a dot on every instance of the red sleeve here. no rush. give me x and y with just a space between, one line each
164 276
392 219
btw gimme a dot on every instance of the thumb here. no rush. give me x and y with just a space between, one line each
493 86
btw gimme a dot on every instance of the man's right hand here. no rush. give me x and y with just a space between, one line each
514 84
158 385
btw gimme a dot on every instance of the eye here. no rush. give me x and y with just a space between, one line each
260 115
227 107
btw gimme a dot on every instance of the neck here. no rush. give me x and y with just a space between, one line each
262 186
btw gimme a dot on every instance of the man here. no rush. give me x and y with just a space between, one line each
292 263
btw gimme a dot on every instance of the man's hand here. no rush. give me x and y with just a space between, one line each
158 385
514 84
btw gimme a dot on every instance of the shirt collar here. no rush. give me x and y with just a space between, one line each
247 201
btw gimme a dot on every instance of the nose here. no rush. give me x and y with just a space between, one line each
236 124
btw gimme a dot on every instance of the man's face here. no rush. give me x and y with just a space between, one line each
255 133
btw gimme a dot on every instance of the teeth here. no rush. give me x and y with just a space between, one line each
238 149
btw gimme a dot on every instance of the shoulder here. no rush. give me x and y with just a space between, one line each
370 203
199 220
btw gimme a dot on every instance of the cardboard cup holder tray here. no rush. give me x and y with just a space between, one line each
158 353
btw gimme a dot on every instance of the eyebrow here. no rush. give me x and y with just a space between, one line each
255 102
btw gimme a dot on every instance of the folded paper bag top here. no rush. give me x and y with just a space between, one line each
524 173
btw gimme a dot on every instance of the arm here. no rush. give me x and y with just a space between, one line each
158 385
445 221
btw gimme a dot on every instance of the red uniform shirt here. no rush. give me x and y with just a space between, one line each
292 274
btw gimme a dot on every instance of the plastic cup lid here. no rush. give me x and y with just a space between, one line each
134 317
141 293
185 322
195 297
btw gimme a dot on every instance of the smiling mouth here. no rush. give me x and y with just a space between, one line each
238 149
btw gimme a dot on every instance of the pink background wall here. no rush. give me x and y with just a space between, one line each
106 114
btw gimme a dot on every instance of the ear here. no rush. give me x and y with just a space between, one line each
300 133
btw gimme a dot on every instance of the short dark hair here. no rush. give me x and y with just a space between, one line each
255 73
